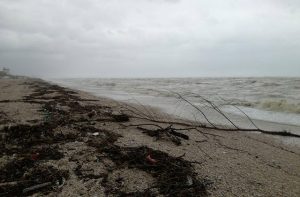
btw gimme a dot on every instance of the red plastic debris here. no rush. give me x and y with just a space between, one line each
151 160
35 156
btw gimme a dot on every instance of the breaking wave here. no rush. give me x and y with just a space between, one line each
280 106
258 96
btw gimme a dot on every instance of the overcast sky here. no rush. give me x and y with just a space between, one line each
150 38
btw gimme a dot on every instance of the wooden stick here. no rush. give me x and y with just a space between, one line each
35 187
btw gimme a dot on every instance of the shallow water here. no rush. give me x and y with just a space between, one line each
274 103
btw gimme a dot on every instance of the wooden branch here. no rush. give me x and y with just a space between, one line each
197 108
35 187
217 109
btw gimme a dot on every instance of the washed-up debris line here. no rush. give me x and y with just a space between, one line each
27 148
174 176
164 132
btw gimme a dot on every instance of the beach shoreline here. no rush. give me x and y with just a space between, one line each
265 101
179 108
83 129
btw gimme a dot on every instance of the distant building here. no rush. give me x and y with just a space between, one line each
4 72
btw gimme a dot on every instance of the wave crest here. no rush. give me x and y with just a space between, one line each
281 106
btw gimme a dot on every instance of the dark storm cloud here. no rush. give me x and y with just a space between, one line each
150 37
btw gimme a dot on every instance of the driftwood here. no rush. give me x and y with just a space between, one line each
195 126
139 114
36 187
13 183
159 127
168 131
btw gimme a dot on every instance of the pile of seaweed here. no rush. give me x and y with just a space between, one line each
24 176
28 147
174 176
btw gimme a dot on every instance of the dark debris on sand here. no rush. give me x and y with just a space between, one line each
29 146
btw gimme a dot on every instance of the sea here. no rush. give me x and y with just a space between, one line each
272 103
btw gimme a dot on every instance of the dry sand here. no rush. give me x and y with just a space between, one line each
84 145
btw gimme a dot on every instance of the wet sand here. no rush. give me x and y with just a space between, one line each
76 143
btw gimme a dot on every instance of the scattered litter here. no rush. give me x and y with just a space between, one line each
95 134
150 160
170 172
35 156
62 184
189 181
173 176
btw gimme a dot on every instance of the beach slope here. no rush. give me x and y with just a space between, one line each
61 142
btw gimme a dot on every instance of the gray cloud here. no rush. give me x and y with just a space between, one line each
150 37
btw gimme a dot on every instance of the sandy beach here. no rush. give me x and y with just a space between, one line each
62 142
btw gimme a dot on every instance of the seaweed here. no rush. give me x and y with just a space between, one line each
31 145
174 176
19 175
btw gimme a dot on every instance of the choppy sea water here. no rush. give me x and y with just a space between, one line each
274 103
